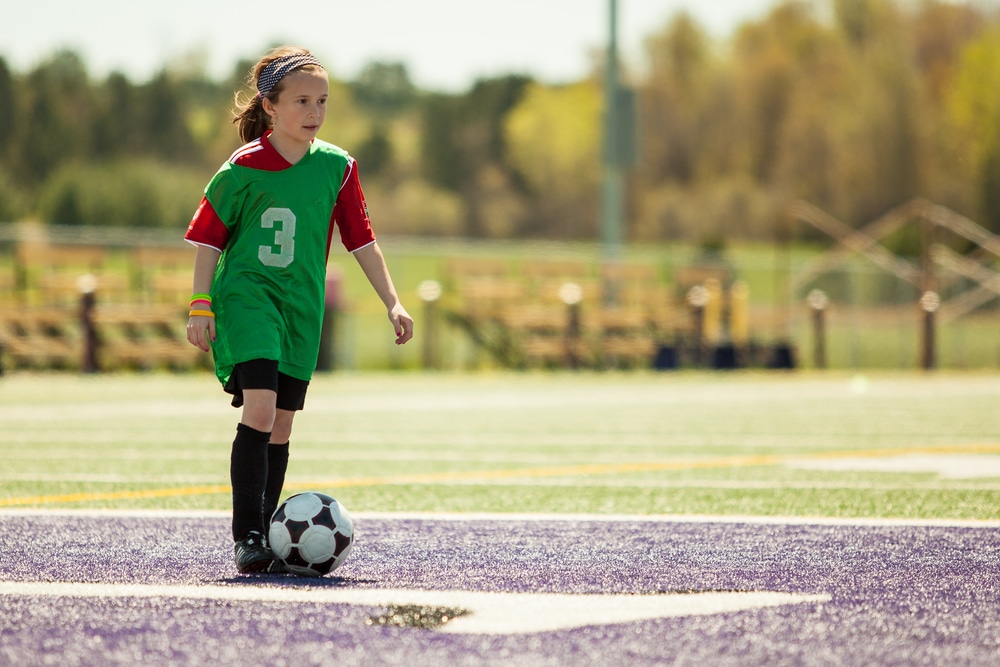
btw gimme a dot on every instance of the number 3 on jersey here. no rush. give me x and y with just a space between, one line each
284 238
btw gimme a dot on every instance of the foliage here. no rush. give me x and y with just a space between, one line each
853 105
124 194
554 143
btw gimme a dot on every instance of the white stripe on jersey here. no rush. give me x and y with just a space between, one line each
347 172
245 150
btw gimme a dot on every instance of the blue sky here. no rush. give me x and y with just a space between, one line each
447 44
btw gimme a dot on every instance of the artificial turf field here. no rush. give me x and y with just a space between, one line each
874 502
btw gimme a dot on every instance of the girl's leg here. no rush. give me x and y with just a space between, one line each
291 398
248 474
277 460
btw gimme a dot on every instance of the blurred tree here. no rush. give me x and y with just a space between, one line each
974 110
773 59
162 120
8 108
940 31
554 142
12 201
375 152
854 105
462 135
672 101
55 117
115 121
856 18
384 88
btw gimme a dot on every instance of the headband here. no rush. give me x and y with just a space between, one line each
278 68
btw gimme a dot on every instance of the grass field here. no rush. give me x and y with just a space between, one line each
807 444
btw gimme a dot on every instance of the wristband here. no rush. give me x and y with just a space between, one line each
201 296
201 313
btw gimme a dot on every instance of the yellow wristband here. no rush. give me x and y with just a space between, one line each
201 313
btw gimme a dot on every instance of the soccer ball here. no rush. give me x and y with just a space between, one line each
311 533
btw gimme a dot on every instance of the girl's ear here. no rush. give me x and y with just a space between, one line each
268 106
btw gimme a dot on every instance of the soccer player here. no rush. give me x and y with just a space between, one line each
263 233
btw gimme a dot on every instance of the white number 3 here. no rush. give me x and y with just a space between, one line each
284 238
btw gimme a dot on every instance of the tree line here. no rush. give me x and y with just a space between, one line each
854 105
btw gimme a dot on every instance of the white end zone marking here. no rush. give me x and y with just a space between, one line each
946 466
491 613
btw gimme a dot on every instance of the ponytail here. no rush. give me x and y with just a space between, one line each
250 118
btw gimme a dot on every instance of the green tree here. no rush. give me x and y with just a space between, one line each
463 138
384 88
8 108
162 120
673 99
114 127
974 110
554 142
55 119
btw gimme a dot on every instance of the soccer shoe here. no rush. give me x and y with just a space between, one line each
252 554
277 566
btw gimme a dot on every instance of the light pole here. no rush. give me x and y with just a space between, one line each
611 201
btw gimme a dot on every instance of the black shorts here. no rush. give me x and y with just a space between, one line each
264 374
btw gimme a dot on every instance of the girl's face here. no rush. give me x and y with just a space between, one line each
301 106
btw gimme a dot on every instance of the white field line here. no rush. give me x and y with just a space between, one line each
536 517
489 613
948 484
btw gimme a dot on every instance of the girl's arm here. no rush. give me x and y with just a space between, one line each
200 328
373 264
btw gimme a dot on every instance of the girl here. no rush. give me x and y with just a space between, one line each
263 233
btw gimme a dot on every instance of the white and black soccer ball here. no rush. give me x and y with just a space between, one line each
311 533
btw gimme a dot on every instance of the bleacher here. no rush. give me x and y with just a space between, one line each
87 306
556 313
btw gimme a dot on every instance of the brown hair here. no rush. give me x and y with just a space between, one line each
249 115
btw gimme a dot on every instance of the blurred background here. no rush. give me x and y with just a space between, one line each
742 185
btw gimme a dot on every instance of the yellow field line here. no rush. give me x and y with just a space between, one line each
511 473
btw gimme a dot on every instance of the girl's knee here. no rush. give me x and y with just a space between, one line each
282 430
259 409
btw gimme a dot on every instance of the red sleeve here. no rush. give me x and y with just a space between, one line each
350 213
207 228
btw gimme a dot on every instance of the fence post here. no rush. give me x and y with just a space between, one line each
697 298
571 294
929 303
818 301
87 286
429 292
739 315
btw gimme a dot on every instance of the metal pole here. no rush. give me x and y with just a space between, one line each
611 204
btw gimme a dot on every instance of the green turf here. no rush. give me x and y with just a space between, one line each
637 443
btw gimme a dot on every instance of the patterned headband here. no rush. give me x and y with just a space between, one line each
278 68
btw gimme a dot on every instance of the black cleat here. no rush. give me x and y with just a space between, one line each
252 554
277 566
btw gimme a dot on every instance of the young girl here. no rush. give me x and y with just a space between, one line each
263 233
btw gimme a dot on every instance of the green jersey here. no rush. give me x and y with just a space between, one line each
269 286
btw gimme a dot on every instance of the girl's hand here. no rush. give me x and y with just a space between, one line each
201 331
402 323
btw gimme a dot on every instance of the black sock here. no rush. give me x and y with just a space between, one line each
248 474
277 463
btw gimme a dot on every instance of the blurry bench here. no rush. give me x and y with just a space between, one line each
127 336
40 338
163 274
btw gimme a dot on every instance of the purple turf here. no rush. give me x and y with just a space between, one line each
900 595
